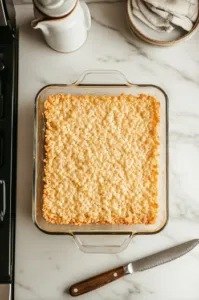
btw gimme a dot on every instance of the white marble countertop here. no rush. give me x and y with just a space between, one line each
47 265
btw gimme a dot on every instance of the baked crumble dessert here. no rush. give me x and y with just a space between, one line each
101 162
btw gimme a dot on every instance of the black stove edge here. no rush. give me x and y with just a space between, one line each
14 174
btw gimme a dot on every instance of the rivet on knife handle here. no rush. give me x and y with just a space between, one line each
96 282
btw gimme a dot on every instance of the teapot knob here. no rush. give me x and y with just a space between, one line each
51 4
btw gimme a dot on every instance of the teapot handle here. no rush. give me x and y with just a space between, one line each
87 15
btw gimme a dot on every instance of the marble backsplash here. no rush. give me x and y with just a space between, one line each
22 2
88 1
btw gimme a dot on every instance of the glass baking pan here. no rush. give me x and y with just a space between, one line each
97 237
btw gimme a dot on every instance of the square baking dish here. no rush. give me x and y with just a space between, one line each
98 237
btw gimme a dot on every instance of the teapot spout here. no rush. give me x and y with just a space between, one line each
35 24
38 24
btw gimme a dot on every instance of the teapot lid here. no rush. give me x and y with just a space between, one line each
55 8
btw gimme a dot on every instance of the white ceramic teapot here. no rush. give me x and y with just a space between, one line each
64 23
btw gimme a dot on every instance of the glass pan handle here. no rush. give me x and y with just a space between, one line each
110 243
102 77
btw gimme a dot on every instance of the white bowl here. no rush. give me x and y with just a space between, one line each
163 39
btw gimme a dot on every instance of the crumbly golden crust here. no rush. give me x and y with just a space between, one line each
101 162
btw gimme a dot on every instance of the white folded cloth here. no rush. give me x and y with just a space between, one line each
164 15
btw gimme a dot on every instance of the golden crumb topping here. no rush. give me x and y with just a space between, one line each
101 161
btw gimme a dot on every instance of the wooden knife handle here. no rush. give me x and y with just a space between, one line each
96 281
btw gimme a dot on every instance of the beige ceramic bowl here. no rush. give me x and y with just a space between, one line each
147 34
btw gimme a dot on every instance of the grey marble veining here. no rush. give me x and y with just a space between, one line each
47 265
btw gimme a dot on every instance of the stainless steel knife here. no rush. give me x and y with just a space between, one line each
145 263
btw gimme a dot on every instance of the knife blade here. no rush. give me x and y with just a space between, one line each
142 264
161 257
